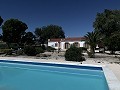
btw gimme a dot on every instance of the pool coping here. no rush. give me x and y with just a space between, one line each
112 81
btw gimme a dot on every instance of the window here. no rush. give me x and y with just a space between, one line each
67 45
76 44
56 44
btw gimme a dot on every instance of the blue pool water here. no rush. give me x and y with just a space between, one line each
16 75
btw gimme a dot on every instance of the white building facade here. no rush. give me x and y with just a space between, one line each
65 43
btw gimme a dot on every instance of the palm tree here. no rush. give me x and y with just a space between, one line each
92 39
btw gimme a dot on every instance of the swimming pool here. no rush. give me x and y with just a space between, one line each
17 75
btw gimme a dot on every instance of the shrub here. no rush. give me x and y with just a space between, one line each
19 52
74 54
13 46
50 49
9 52
39 50
3 46
90 54
43 47
30 50
83 48
6 51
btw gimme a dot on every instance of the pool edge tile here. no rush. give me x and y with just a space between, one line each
113 82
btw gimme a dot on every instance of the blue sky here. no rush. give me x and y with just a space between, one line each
75 16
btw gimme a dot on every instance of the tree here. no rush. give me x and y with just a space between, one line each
39 36
92 39
113 42
50 31
107 23
28 38
13 29
1 20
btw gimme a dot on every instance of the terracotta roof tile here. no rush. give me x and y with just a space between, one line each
67 39
74 39
55 40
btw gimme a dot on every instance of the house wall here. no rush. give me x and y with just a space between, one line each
62 44
52 44
82 43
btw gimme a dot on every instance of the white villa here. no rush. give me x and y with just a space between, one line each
65 43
